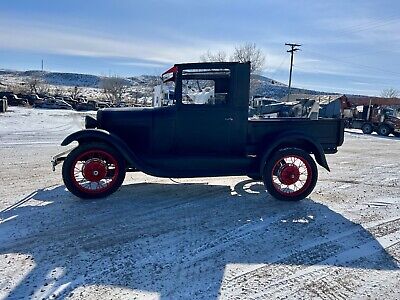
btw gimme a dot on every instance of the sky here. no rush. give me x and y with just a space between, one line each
347 46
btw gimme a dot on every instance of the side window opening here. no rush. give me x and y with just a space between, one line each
198 92
205 87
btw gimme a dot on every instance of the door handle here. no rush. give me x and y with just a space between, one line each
230 119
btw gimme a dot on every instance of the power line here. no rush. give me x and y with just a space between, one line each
355 64
293 48
273 70
369 25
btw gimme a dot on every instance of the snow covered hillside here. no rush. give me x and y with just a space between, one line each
263 86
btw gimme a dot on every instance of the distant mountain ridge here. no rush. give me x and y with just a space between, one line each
267 87
59 78
263 86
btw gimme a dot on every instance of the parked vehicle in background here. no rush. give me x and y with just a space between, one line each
191 139
262 107
163 95
382 120
33 99
372 114
52 103
103 105
14 100
265 106
5 94
121 104
87 105
71 101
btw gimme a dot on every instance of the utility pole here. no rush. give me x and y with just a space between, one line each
293 49
42 65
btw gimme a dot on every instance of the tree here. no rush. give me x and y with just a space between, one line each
219 56
390 93
250 52
114 88
75 92
35 84
245 53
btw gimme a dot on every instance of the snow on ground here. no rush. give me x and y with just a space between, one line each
202 238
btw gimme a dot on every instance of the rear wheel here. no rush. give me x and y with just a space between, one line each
93 171
367 128
290 174
384 130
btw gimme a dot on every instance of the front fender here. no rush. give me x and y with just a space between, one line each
103 136
290 140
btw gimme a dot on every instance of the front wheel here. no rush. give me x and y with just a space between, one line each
93 171
290 174
367 128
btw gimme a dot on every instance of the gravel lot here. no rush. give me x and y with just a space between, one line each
202 238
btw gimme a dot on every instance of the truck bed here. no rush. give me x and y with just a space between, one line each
327 132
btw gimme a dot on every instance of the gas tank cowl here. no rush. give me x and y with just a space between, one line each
90 122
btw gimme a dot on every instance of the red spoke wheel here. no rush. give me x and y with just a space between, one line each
290 174
93 171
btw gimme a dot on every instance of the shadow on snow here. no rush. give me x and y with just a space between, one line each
175 239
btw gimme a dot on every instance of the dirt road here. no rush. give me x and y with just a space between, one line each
201 238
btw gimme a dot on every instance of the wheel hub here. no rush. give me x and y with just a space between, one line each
289 174
94 170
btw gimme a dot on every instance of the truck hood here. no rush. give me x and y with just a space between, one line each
110 118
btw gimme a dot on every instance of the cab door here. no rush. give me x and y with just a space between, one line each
203 129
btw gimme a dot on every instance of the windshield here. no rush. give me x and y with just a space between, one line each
389 112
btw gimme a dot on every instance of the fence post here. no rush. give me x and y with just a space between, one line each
3 105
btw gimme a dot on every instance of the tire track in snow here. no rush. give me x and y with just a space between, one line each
279 287
308 250
347 233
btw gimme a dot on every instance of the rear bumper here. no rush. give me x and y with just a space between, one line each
59 158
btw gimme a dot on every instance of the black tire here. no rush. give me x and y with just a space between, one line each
101 165
367 128
384 130
396 134
280 171
256 177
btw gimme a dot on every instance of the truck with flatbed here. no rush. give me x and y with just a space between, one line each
189 138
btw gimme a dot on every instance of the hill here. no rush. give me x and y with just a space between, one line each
262 86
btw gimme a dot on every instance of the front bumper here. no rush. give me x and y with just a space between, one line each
59 158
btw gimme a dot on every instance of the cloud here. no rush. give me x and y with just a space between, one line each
37 37
141 64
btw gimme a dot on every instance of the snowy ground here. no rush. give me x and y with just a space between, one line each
201 238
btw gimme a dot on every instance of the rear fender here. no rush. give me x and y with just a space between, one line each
295 140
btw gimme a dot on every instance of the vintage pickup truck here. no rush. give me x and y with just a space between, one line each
191 138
